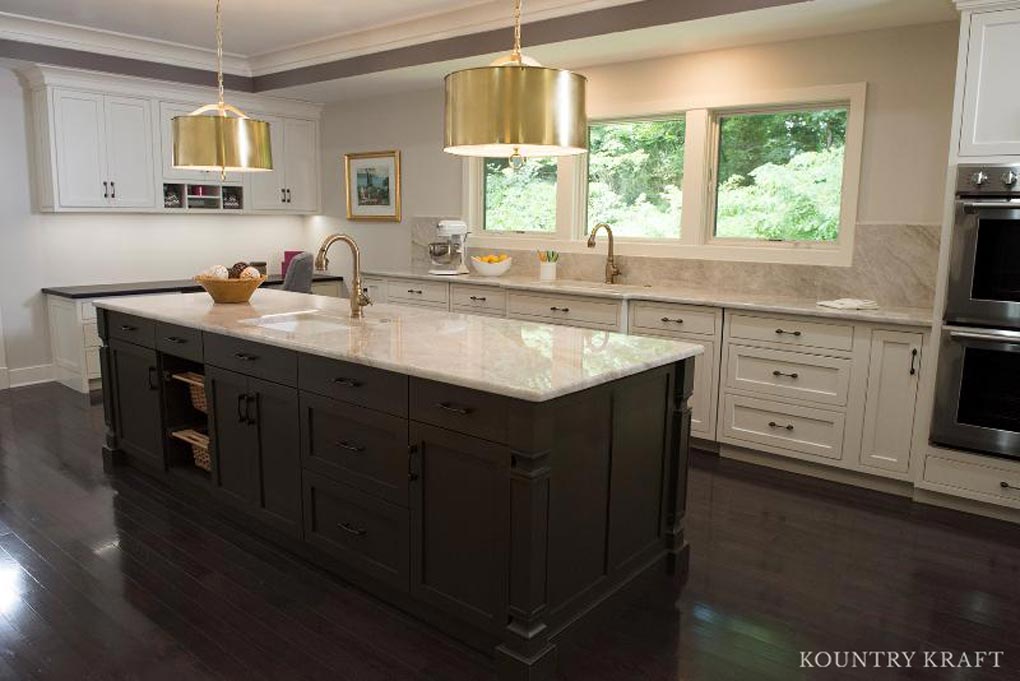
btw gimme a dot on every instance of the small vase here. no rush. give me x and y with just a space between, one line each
547 271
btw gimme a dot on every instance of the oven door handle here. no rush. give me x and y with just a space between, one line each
975 206
991 336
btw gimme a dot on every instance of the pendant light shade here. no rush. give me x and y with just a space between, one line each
218 141
515 108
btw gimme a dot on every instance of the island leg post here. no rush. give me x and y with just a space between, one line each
112 455
678 461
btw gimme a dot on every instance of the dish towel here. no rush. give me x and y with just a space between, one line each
849 304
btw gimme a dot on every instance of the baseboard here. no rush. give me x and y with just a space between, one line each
932 498
22 376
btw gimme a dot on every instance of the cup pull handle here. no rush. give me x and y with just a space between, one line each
245 357
351 529
347 382
454 409
343 444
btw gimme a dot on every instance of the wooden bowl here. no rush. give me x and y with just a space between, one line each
230 290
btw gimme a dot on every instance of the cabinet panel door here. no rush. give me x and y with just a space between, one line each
460 525
276 416
129 152
891 400
267 187
234 441
991 106
301 164
80 138
139 426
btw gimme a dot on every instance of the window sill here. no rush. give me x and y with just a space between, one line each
839 255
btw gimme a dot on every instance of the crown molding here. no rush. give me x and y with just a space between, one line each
979 5
68 36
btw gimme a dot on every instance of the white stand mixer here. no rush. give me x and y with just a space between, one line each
449 252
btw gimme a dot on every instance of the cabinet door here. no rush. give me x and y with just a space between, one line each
80 138
129 152
891 400
274 411
267 187
167 112
704 398
301 164
991 102
234 440
136 402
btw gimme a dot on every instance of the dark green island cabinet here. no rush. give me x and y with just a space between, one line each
503 522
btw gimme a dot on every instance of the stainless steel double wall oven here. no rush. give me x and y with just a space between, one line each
977 399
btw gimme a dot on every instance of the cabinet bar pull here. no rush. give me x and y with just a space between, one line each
347 382
1006 485
480 299
415 291
773 424
412 473
153 384
559 309
113 189
106 190
343 444
777 372
350 529
128 327
283 195
667 320
242 401
175 340
913 361
249 400
791 333
289 200
245 357
462 411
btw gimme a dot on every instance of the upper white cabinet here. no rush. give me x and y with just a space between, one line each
294 183
991 99
105 143
891 399
102 151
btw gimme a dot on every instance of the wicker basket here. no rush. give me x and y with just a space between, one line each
199 446
196 388
230 290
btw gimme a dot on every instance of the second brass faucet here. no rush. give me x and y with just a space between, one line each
359 297
612 271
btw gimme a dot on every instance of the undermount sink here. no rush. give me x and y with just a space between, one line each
308 322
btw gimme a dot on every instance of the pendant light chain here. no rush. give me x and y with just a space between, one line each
219 54
517 30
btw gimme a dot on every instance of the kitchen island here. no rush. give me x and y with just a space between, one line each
499 479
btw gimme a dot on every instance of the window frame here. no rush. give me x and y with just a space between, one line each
697 239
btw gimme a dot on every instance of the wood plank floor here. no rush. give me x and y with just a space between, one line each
107 577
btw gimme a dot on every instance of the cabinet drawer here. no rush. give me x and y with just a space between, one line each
666 318
460 409
804 429
92 366
974 479
361 447
789 374
90 335
365 386
590 312
792 331
132 329
367 533
482 299
411 290
252 359
179 341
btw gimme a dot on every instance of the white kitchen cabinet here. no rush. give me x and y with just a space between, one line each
991 100
293 185
103 151
891 399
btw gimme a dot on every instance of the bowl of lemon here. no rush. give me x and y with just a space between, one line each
491 265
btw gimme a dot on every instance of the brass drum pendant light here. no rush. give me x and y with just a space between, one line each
219 142
515 108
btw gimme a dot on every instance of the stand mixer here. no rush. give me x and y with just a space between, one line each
449 253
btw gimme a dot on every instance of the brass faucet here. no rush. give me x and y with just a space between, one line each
359 298
612 271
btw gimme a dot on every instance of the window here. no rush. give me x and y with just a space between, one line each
520 200
780 175
635 175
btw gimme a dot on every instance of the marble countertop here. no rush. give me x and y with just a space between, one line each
524 360
760 302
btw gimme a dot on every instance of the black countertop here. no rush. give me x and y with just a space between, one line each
144 287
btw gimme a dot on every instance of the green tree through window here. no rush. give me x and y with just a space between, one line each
635 175
522 200
780 175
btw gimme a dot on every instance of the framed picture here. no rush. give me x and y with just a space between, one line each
373 185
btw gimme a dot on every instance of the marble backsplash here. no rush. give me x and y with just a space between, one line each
895 265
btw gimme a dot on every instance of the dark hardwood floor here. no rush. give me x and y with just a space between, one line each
108 577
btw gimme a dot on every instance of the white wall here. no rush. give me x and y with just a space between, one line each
39 250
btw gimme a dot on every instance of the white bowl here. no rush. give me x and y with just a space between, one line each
491 269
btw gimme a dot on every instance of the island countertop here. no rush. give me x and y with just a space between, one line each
524 360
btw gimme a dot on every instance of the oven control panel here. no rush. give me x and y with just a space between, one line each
982 179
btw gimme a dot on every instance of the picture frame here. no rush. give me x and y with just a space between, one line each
372 185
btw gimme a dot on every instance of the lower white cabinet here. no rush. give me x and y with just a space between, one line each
570 310
891 399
